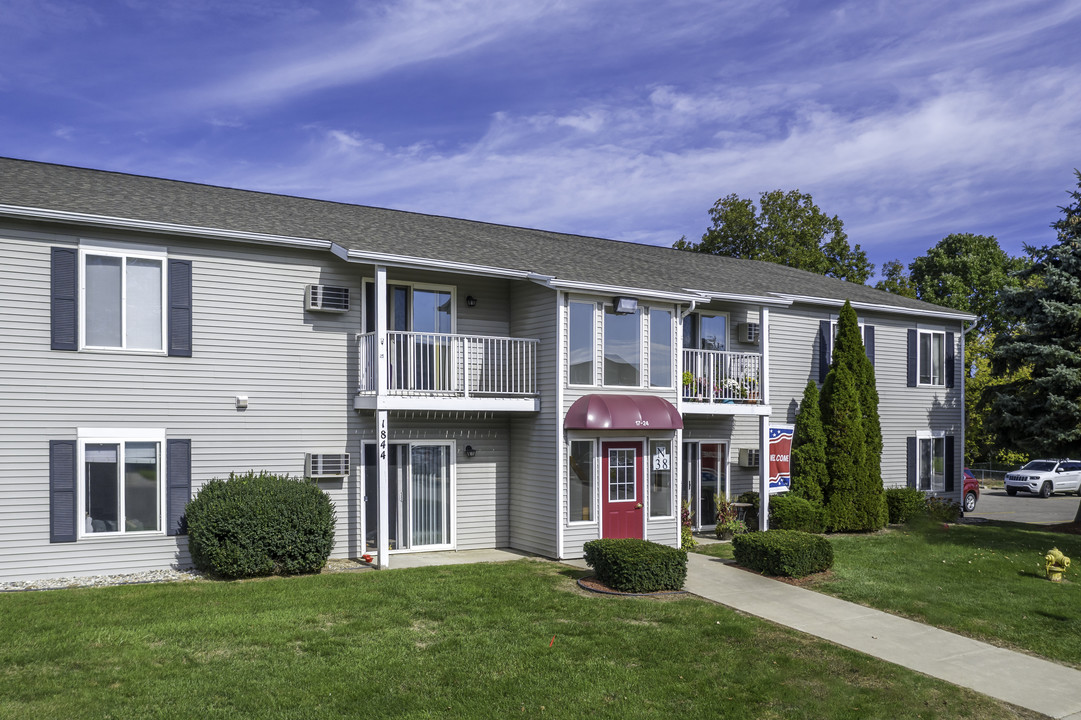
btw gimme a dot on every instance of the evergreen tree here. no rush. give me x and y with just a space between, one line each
846 447
809 474
1039 412
866 508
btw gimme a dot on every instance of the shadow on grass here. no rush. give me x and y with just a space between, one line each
998 535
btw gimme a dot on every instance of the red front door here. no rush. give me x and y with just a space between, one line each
623 466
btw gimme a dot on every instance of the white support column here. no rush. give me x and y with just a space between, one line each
763 339
382 448
763 472
380 332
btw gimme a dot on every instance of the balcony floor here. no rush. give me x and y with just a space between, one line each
450 403
723 408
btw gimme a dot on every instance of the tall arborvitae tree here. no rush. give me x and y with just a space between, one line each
866 509
809 473
1040 412
846 447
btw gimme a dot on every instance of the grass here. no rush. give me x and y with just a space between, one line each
466 641
983 580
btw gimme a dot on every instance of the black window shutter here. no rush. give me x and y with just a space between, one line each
869 342
180 308
913 348
949 463
949 359
825 337
911 464
65 299
62 491
177 485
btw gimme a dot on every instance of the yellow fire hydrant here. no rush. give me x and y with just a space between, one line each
1057 563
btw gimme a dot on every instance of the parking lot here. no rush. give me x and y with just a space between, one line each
996 505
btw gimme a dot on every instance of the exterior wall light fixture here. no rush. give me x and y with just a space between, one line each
470 451
471 301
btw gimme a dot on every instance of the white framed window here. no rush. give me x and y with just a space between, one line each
931 462
660 348
833 342
121 481
622 348
122 299
661 502
706 331
581 341
931 358
581 482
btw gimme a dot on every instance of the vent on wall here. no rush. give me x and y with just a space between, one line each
327 298
749 332
326 465
749 457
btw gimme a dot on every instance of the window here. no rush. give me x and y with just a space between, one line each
932 463
121 488
660 348
621 475
622 348
660 479
581 343
123 297
705 332
580 481
932 358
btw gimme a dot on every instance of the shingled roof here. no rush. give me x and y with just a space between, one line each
575 258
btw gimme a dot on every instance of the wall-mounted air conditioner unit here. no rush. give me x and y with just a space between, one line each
326 465
750 332
749 457
326 298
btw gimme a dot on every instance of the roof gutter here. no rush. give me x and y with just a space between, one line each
876 307
740 298
575 285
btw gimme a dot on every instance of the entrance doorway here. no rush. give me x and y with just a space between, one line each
622 467
419 488
705 475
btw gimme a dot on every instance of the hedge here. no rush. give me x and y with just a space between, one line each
786 512
637 566
783 552
904 504
253 525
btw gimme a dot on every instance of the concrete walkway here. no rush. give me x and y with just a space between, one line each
1016 678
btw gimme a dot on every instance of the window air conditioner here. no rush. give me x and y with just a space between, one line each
326 465
749 457
750 332
327 298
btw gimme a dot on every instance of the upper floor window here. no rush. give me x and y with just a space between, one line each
660 348
932 357
622 347
123 296
581 343
705 332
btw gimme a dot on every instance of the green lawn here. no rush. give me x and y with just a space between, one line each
983 580
466 641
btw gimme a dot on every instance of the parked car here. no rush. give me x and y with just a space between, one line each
972 491
1045 477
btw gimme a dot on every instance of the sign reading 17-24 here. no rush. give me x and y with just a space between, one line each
780 452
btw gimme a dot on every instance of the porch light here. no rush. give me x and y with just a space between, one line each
626 305
470 451
471 301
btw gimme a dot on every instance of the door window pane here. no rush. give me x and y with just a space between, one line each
580 481
622 348
430 489
710 483
141 491
103 301
660 348
621 475
143 304
660 479
581 343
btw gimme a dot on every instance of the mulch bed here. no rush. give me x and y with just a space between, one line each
1069 528
592 584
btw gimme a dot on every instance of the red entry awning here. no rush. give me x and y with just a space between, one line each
622 412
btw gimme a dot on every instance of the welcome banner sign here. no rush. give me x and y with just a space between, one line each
780 453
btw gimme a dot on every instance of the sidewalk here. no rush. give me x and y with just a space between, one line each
1010 676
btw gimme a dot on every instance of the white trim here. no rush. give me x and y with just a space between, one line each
922 435
119 437
123 253
594 335
562 376
919 355
574 285
594 497
740 298
876 307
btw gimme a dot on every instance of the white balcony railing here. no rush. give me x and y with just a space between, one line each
712 376
438 364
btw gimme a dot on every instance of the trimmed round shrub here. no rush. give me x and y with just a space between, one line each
637 566
254 525
904 504
790 553
788 512
941 509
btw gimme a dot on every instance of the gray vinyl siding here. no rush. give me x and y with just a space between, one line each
252 337
904 411
534 471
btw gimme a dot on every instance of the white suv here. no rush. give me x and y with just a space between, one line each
1046 477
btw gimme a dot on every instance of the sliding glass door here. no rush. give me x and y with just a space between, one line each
419 489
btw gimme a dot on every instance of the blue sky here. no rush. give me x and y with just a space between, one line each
619 119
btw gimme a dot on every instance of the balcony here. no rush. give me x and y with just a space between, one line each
438 371
717 382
